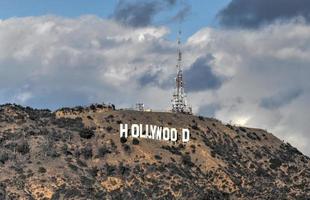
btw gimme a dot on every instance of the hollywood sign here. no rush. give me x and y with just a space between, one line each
153 132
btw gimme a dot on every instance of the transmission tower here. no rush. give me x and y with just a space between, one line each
179 102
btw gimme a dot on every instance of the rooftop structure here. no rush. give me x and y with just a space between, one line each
140 107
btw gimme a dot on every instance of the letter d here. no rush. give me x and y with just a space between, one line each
185 135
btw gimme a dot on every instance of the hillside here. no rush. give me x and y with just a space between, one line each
76 153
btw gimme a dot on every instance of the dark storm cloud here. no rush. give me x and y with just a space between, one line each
140 13
135 13
281 99
181 15
255 13
154 80
146 79
201 77
209 110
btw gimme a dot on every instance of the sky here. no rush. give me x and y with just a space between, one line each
201 12
246 62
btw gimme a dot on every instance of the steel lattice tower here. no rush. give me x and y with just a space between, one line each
179 102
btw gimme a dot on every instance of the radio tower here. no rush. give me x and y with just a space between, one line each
179 102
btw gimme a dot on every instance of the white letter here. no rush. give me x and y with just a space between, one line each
123 131
185 135
158 133
144 134
135 132
147 130
174 135
166 134
153 132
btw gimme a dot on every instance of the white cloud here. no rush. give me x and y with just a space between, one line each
89 58
23 97
51 61
259 65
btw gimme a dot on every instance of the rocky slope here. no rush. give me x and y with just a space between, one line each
77 154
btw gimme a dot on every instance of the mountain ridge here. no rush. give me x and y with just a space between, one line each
76 153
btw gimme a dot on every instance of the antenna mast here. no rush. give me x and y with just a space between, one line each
179 102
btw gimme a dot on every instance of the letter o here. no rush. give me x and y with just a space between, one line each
174 135
135 130
166 134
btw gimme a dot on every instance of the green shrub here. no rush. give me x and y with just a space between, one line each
23 147
42 170
3 157
186 160
158 157
87 152
102 151
86 133
123 140
135 141
109 129
275 163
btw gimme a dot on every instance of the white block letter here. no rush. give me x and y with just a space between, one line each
166 134
185 135
135 131
123 130
158 133
144 133
153 132
174 135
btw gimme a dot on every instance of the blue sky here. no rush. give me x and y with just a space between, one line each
203 12
71 8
